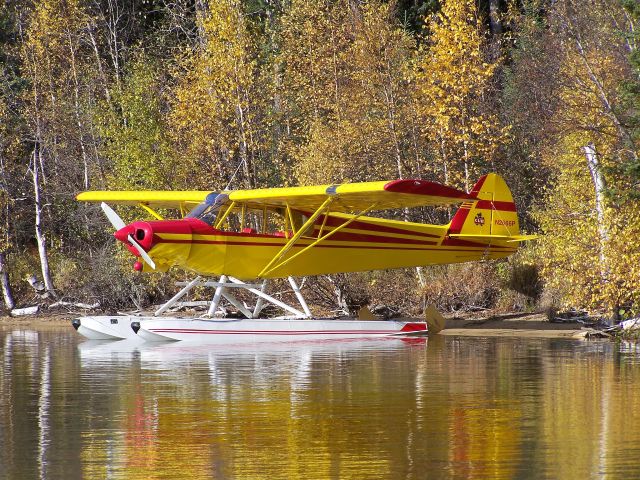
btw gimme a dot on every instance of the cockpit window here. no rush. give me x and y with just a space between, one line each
208 210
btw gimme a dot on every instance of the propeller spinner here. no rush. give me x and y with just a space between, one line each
119 224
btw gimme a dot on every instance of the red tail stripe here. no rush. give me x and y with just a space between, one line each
478 186
496 205
458 219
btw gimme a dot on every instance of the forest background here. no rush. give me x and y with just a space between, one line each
197 94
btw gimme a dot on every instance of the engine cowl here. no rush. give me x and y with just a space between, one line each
168 242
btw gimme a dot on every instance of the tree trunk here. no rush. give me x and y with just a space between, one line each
6 287
604 99
202 10
242 142
600 187
103 78
76 91
42 245
113 41
494 17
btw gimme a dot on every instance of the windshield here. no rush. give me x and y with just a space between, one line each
208 210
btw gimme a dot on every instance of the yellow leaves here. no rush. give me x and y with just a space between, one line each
572 247
347 90
453 77
213 109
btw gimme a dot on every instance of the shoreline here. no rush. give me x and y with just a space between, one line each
512 325
525 325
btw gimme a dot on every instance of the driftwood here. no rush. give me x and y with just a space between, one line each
20 312
84 306
590 333
631 324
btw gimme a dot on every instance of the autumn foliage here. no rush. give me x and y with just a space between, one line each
245 94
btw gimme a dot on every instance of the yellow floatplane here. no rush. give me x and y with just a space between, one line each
256 235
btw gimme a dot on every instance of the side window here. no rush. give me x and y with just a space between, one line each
208 210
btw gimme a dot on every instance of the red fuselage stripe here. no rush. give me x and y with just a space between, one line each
367 247
369 227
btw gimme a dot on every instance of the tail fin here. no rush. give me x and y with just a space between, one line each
492 216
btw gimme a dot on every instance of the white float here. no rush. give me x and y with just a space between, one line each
208 329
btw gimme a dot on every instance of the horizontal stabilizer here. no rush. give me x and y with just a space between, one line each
488 238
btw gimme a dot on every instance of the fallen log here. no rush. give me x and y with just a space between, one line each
84 306
20 312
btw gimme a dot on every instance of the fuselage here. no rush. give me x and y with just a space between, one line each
367 243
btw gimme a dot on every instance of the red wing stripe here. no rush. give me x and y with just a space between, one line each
424 187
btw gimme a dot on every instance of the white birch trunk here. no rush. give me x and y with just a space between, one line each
600 187
6 287
42 245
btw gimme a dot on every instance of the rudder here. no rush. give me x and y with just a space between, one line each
493 213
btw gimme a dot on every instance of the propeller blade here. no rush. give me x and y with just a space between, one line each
145 256
118 224
113 217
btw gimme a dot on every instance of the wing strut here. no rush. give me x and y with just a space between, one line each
268 270
296 237
152 211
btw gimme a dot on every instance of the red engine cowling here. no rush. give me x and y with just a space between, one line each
169 239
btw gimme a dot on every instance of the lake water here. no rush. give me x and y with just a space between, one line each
443 407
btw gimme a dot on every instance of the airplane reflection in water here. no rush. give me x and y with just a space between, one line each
99 352
443 403
215 398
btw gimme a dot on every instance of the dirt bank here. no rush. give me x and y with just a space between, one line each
38 321
511 325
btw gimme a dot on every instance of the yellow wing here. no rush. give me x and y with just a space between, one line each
351 197
347 197
184 200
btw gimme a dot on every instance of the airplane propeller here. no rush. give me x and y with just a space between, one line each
113 217
119 224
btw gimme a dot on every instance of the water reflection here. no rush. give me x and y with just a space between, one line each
388 408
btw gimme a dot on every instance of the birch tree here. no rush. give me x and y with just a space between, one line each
590 250
217 112
53 109
454 80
